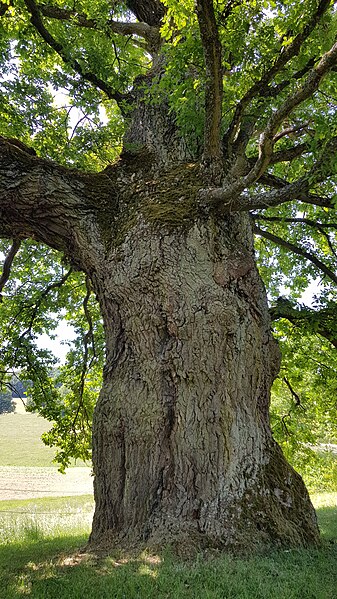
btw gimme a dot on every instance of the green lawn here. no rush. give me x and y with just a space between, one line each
20 441
21 444
40 541
41 561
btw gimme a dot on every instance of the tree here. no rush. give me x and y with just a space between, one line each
6 404
303 406
222 113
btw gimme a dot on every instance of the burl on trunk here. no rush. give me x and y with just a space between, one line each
182 442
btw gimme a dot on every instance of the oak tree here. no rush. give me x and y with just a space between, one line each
199 124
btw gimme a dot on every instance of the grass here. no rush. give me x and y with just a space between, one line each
21 444
326 507
48 517
40 541
41 561
20 441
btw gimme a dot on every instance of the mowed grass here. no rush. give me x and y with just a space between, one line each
21 443
42 561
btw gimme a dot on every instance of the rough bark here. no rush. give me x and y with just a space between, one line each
182 445
213 155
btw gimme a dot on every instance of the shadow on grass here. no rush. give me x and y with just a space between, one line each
53 569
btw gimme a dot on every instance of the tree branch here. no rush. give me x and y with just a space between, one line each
232 191
3 8
322 321
286 155
289 154
87 338
273 181
290 131
150 33
147 11
231 4
320 227
214 86
37 22
6 271
273 91
294 395
34 309
284 192
260 87
233 199
305 221
293 191
269 137
296 250
50 203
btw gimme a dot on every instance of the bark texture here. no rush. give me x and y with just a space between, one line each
182 443
182 448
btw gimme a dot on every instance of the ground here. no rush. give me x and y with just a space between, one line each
20 482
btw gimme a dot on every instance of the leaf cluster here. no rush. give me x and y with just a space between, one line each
303 407
42 291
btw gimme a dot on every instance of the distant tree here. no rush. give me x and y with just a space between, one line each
6 404
19 387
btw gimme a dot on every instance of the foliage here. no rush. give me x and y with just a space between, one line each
303 409
6 404
66 97
65 396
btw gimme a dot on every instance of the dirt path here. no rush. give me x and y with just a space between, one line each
21 482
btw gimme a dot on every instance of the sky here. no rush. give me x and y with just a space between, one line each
58 346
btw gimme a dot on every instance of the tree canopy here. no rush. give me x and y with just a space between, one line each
251 87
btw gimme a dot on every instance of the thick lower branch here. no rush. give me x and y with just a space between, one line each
52 204
214 86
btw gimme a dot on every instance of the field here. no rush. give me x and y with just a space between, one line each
26 464
20 441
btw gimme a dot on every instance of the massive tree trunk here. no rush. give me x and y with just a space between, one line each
182 447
